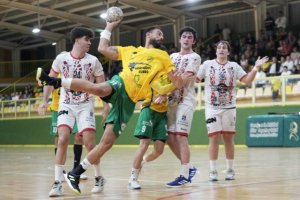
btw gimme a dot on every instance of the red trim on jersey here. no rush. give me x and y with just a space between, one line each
87 129
54 71
243 77
62 125
221 63
178 133
76 58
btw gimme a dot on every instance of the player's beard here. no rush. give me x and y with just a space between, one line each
155 43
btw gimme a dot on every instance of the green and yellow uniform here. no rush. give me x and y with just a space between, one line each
152 122
140 67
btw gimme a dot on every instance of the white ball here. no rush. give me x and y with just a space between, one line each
114 14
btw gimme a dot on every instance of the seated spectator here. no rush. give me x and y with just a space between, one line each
296 69
286 72
244 63
295 56
274 67
284 48
291 39
288 63
250 39
260 83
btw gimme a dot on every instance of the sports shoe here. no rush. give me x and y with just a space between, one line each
192 173
213 176
83 177
134 185
56 190
44 79
230 175
73 182
99 184
178 182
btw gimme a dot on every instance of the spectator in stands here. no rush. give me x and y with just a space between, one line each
295 56
260 83
270 48
288 63
296 69
250 39
286 72
269 25
280 21
226 33
284 48
291 39
274 67
298 43
258 50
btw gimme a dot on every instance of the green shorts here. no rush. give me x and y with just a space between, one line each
151 124
122 106
53 128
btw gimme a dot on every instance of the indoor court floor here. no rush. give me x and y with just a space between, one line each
261 174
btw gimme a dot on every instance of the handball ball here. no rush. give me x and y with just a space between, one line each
114 14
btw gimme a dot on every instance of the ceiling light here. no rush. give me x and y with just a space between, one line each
103 15
36 30
53 43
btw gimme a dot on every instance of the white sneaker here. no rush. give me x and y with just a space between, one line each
83 177
56 190
134 185
230 175
213 176
99 184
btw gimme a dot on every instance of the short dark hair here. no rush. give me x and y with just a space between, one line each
226 43
189 29
152 28
79 32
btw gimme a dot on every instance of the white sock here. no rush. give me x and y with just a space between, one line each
213 165
97 170
229 164
135 174
185 170
58 172
85 163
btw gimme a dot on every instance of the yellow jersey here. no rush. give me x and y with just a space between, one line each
160 83
140 67
55 100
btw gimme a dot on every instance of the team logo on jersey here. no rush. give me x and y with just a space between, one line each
211 120
183 117
62 112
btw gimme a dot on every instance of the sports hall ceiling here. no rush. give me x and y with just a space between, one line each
56 17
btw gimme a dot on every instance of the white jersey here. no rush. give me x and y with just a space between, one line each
185 63
220 83
86 68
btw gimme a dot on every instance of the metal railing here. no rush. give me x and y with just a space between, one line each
288 93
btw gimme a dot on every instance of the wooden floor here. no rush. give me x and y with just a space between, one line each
261 174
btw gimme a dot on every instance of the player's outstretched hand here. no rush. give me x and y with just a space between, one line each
260 61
